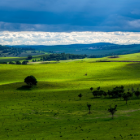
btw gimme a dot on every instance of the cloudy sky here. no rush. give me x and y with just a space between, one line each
58 21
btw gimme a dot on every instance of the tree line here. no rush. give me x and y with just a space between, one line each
116 92
61 56
16 62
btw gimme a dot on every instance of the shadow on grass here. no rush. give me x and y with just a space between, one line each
24 87
108 119
95 97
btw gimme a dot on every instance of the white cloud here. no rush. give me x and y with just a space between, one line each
58 38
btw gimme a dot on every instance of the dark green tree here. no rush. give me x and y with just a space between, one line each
18 62
101 92
109 93
29 57
91 88
117 91
80 95
95 93
104 94
126 96
3 62
98 88
24 62
137 93
112 110
120 95
89 106
30 80
11 62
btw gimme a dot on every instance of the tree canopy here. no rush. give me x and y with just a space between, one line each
30 80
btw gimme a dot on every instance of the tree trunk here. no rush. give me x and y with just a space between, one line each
112 116
89 111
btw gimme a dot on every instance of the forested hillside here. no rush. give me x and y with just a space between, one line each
10 51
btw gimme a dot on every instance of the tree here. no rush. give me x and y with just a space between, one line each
3 62
117 91
98 88
80 95
109 93
120 95
24 62
29 57
18 62
89 106
11 62
105 94
101 92
91 88
126 96
112 110
137 93
95 93
30 80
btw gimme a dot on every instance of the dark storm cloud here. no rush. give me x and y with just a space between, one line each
73 15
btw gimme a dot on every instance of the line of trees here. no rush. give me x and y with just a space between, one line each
62 56
116 92
16 62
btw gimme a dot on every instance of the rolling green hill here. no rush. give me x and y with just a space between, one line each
53 110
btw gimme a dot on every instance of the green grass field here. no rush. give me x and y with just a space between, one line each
53 111
129 57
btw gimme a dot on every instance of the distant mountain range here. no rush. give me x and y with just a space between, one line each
95 49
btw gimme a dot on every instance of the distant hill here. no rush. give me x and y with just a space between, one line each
95 49
10 51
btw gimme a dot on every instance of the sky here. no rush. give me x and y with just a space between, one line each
55 21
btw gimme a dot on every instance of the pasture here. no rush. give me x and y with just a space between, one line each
53 111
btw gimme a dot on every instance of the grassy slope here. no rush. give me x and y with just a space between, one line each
129 57
52 110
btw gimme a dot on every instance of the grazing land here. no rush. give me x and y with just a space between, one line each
53 110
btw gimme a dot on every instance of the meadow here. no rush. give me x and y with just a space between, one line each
52 110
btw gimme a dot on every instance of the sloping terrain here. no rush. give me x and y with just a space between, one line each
53 110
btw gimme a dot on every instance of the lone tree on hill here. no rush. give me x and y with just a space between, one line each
30 80
112 110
